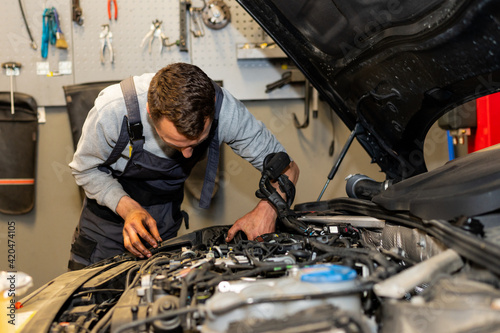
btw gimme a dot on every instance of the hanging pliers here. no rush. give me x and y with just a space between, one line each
105 37
115 6
155 32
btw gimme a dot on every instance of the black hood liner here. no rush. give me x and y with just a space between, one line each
394 66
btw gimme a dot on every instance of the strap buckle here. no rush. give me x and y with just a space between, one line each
135 132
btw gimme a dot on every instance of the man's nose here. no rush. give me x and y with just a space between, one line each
187 152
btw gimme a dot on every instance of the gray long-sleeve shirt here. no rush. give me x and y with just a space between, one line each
237 127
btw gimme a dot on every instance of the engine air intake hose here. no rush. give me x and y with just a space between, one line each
363 187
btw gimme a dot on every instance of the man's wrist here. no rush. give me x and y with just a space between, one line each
266 206
125 205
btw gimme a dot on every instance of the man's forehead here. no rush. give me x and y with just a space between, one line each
169 133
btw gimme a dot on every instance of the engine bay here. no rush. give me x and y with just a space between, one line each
351 278
340 265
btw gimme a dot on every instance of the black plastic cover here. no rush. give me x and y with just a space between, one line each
467 186
18 148
79 100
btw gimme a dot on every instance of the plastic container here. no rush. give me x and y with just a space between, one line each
314 280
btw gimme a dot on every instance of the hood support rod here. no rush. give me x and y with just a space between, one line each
358 129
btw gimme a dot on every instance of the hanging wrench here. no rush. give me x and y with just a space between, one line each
77 12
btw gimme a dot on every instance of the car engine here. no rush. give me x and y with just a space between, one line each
341 265
352 278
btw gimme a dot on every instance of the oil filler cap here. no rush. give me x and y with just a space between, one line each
327 274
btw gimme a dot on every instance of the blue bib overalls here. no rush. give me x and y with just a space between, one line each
154 182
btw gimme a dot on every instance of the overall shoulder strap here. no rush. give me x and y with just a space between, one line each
131 126
133 111
219 97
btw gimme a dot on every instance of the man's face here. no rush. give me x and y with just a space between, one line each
169 134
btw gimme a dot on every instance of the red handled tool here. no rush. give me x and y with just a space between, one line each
115 6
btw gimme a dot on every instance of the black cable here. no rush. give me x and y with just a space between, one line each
155 259
227 270
158 262
34 46
164 315
202 276
271 252
363 255
129 274
92 291
104 322
236 276
292 223
232 255
256 261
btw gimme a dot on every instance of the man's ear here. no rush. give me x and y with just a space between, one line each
147 109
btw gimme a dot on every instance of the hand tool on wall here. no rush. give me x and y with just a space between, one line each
11 70
34 46
307 104
77 12
195 21
112 3
105 37
48 31
60 40
183 10
156 32
51 33
291 76
311 100
216 14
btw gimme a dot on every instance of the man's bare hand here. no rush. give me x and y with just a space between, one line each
261 220
138 222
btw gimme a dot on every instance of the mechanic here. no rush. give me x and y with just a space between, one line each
138 145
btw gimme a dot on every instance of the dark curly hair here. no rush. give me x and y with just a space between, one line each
183 94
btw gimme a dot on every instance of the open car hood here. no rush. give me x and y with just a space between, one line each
393 66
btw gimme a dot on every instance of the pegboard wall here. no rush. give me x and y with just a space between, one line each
218 52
